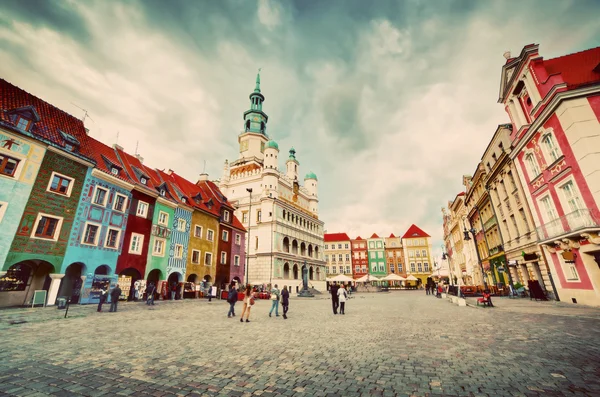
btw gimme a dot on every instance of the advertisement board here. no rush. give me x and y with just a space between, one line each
94 284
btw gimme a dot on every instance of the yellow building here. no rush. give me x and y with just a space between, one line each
417 254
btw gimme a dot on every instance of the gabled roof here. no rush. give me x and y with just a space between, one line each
106 159
374 236
358 238
392 236
196 195
134 168
328 237
214 194
51 124
577 69
414 231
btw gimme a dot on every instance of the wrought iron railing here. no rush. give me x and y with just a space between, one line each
571 222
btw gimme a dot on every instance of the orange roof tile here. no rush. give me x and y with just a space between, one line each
577 69
328 237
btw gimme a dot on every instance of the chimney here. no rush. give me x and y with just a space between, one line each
203 177
169 172
506 55
140 158
115 146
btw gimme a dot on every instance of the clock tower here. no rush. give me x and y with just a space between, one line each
253 137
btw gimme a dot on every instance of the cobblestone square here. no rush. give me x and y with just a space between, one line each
389 344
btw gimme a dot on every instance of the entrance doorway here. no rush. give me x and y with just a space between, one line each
22 279
134 275
70 285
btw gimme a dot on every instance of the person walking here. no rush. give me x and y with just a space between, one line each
115 294
103 296
275 295
232 298
335 302
150 297
173 288
285 301
208 287
342 297
248 302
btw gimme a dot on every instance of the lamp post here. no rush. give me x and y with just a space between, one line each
249 190
446 256
467 238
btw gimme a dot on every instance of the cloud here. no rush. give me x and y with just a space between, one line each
388 103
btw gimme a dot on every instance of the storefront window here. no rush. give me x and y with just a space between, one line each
15 278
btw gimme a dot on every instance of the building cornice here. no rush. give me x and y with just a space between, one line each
166 202
71 157
111 179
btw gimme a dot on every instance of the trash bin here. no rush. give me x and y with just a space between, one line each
61 303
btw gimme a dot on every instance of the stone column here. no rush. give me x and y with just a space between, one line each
53 290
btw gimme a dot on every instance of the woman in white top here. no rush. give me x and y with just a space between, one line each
342 296
248 302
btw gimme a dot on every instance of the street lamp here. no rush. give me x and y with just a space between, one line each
467 238
249 190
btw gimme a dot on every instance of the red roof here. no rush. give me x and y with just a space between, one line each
578 69
219 201
135 169
392 236
51 122
359 238
415 231
328 237
105 158
374 235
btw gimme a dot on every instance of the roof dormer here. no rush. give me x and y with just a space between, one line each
70 143
24 118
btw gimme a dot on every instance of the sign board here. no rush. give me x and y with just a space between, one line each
125 285
39 298
501 269
93 286
213 291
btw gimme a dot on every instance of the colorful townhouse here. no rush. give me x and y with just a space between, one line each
376 249
554 108
338 254
35 255
142 223
203 228
96 238
417 254
394 255
360 262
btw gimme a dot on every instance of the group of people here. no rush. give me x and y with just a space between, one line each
339 296
115 294
249 300
433 289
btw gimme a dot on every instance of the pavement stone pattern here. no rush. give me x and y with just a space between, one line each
401 343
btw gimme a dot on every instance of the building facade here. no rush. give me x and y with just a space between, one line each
360 261
376 250
394 254
338 254
554 107
417 254
285 234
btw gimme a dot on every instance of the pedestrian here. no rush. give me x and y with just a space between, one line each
150 297
115 294
103 296
173 288
285 301
208 289
248 302
335 302
342 297
232 298
275 295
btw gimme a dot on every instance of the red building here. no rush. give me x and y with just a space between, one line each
360 261
554 106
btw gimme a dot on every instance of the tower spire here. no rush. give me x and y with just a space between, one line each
257 88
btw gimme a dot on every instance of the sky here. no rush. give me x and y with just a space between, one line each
389 103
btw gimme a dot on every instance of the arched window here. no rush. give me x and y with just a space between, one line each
247 125
286 270
286 244
262 126
532 165
550 148
295 247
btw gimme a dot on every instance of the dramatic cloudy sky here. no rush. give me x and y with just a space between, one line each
388 103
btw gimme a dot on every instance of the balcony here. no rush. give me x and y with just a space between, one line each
570 223
490 222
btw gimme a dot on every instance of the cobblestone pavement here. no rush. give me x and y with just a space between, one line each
401 343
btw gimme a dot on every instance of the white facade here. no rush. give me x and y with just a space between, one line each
281 216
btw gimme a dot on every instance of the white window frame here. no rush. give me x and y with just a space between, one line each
223 255
181 224
199 235
569 269
125 202
236 260
114 171
144 213
245 217
69 189
3 207
17 156
105 196
199 257
533 168
544 211
164 245
238 239
225 235
209 231
37 221
177 255
118 241
413 268
564 200
555 151
210 261
84 231
140 239
226 216
164 215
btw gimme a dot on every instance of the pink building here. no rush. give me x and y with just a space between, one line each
554 106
